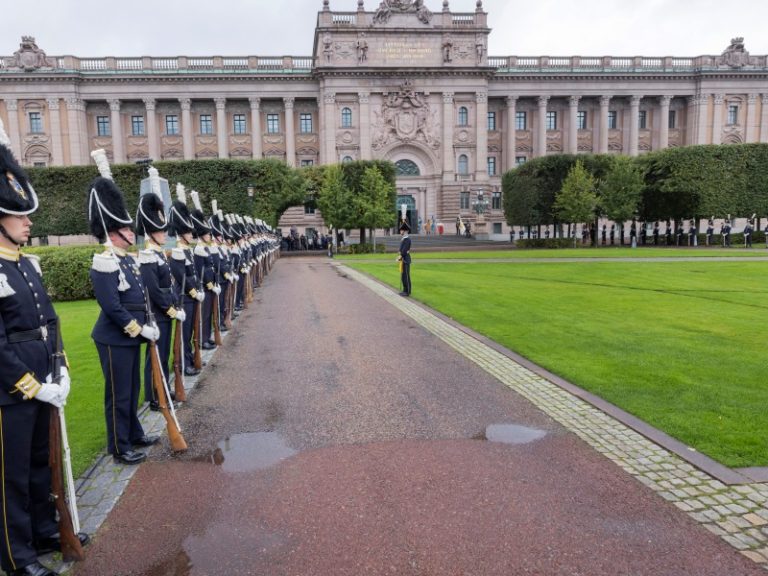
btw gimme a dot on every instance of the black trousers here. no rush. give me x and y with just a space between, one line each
405 277
122 377
210 297
186 334
27 511
164 350
241 290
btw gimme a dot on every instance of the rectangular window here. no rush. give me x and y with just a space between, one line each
172 125
305 123
309 209
464 200
238 124
39 164
35 122
491 166
672 119
733 114
642 120
551 120
521 121
305 163
581 120
520 160
137 125
206 124
491 121
102 126
612 120
497 227
273 123
496 201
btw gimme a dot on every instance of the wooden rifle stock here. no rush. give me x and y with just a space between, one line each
216 320
174 434
197 335
228 300
178 373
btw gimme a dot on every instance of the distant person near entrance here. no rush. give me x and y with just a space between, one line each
404 259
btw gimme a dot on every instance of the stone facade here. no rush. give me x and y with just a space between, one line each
401 83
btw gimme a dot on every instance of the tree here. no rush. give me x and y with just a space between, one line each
577 200
335 199
353 179
377 196
621 191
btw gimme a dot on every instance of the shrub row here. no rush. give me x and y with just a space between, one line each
66 270
546 243
367 248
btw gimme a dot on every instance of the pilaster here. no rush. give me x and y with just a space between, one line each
664 102
55 118
541 127
449 158
717 119
222 129
573 124
511 144
76 119
256 139
752 128
605 102
481 161
12 105
115 122
634 124
187 134
290 132
153 136
363 99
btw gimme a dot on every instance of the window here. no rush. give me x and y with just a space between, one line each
672 119
520 160
206 124
464 200
581 120
407 168
497 227
238 124
347 160
305 123
496 201
172 125
551 120
612 119
733 114
491 166
102 126
463 165
491 121
642 120
346 118
521 121
305 163
273 123
137 125
309 208
463 116
35 122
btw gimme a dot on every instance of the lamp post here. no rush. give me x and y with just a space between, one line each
480 205
250 190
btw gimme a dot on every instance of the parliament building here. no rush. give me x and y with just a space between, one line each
401 81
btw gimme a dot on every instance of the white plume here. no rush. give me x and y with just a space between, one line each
196 200
4 140
228 218
154 181
102 163
181 193
214 206
221 215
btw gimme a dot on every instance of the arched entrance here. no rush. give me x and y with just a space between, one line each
417 183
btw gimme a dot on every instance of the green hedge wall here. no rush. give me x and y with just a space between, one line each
66 270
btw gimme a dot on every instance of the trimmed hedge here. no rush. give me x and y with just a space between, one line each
66 270
367 248
547 243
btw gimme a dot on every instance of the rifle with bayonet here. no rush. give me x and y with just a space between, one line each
197 331
178 351
216 319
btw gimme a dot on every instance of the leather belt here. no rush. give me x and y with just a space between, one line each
135 307
28 335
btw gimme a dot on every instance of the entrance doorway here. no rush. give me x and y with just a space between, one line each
411 213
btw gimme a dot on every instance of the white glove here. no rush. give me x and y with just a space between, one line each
50 393
236 277
217 289
200 296
150 332
181 315
64 383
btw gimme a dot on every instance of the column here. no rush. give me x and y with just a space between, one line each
702 119
118 148
153 136
573 124
717 120
290 132
14 133
329 125
602 146
55 117
511 146
750 134
187 135
256 141
764 121
691 119
363 99
481 164
75 107
634 124
449 159
222 129
541 127
664 102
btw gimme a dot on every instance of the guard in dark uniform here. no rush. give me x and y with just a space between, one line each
603 233
158 280
748 229
668 234
726 232
613 233
27 341
643 234
206 271
656 233
183 269
121 327
405 258
221 259
710 230
691 232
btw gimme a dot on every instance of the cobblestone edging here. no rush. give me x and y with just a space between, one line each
738 514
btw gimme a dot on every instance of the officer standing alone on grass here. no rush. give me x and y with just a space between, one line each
405 259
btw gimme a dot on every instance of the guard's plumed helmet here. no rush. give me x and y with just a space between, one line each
404 227
180 220
198 218
216 220
17 197
150 215
106 205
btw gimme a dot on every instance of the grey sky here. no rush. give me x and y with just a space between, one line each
271 27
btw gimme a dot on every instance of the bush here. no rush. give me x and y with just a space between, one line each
367 248
547 243
66 270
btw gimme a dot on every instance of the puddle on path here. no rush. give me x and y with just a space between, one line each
249 452
511 434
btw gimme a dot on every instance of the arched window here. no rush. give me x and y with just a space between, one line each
463 116
346 118
463 165
347 160
407 168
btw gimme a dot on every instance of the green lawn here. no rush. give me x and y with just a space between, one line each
681 345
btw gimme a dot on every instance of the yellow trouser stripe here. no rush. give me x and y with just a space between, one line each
5 518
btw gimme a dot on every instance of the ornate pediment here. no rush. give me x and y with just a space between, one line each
406 117
735 56
389 7
29 57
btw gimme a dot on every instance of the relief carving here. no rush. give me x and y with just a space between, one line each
345 50
389 7
735 56
29 57
407 117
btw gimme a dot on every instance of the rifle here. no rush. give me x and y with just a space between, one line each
61 468
197 331
178 353
161 387
216 320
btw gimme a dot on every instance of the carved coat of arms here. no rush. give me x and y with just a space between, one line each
29 57
735 56
389 7
407 117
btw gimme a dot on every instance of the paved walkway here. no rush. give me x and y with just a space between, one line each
335 435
